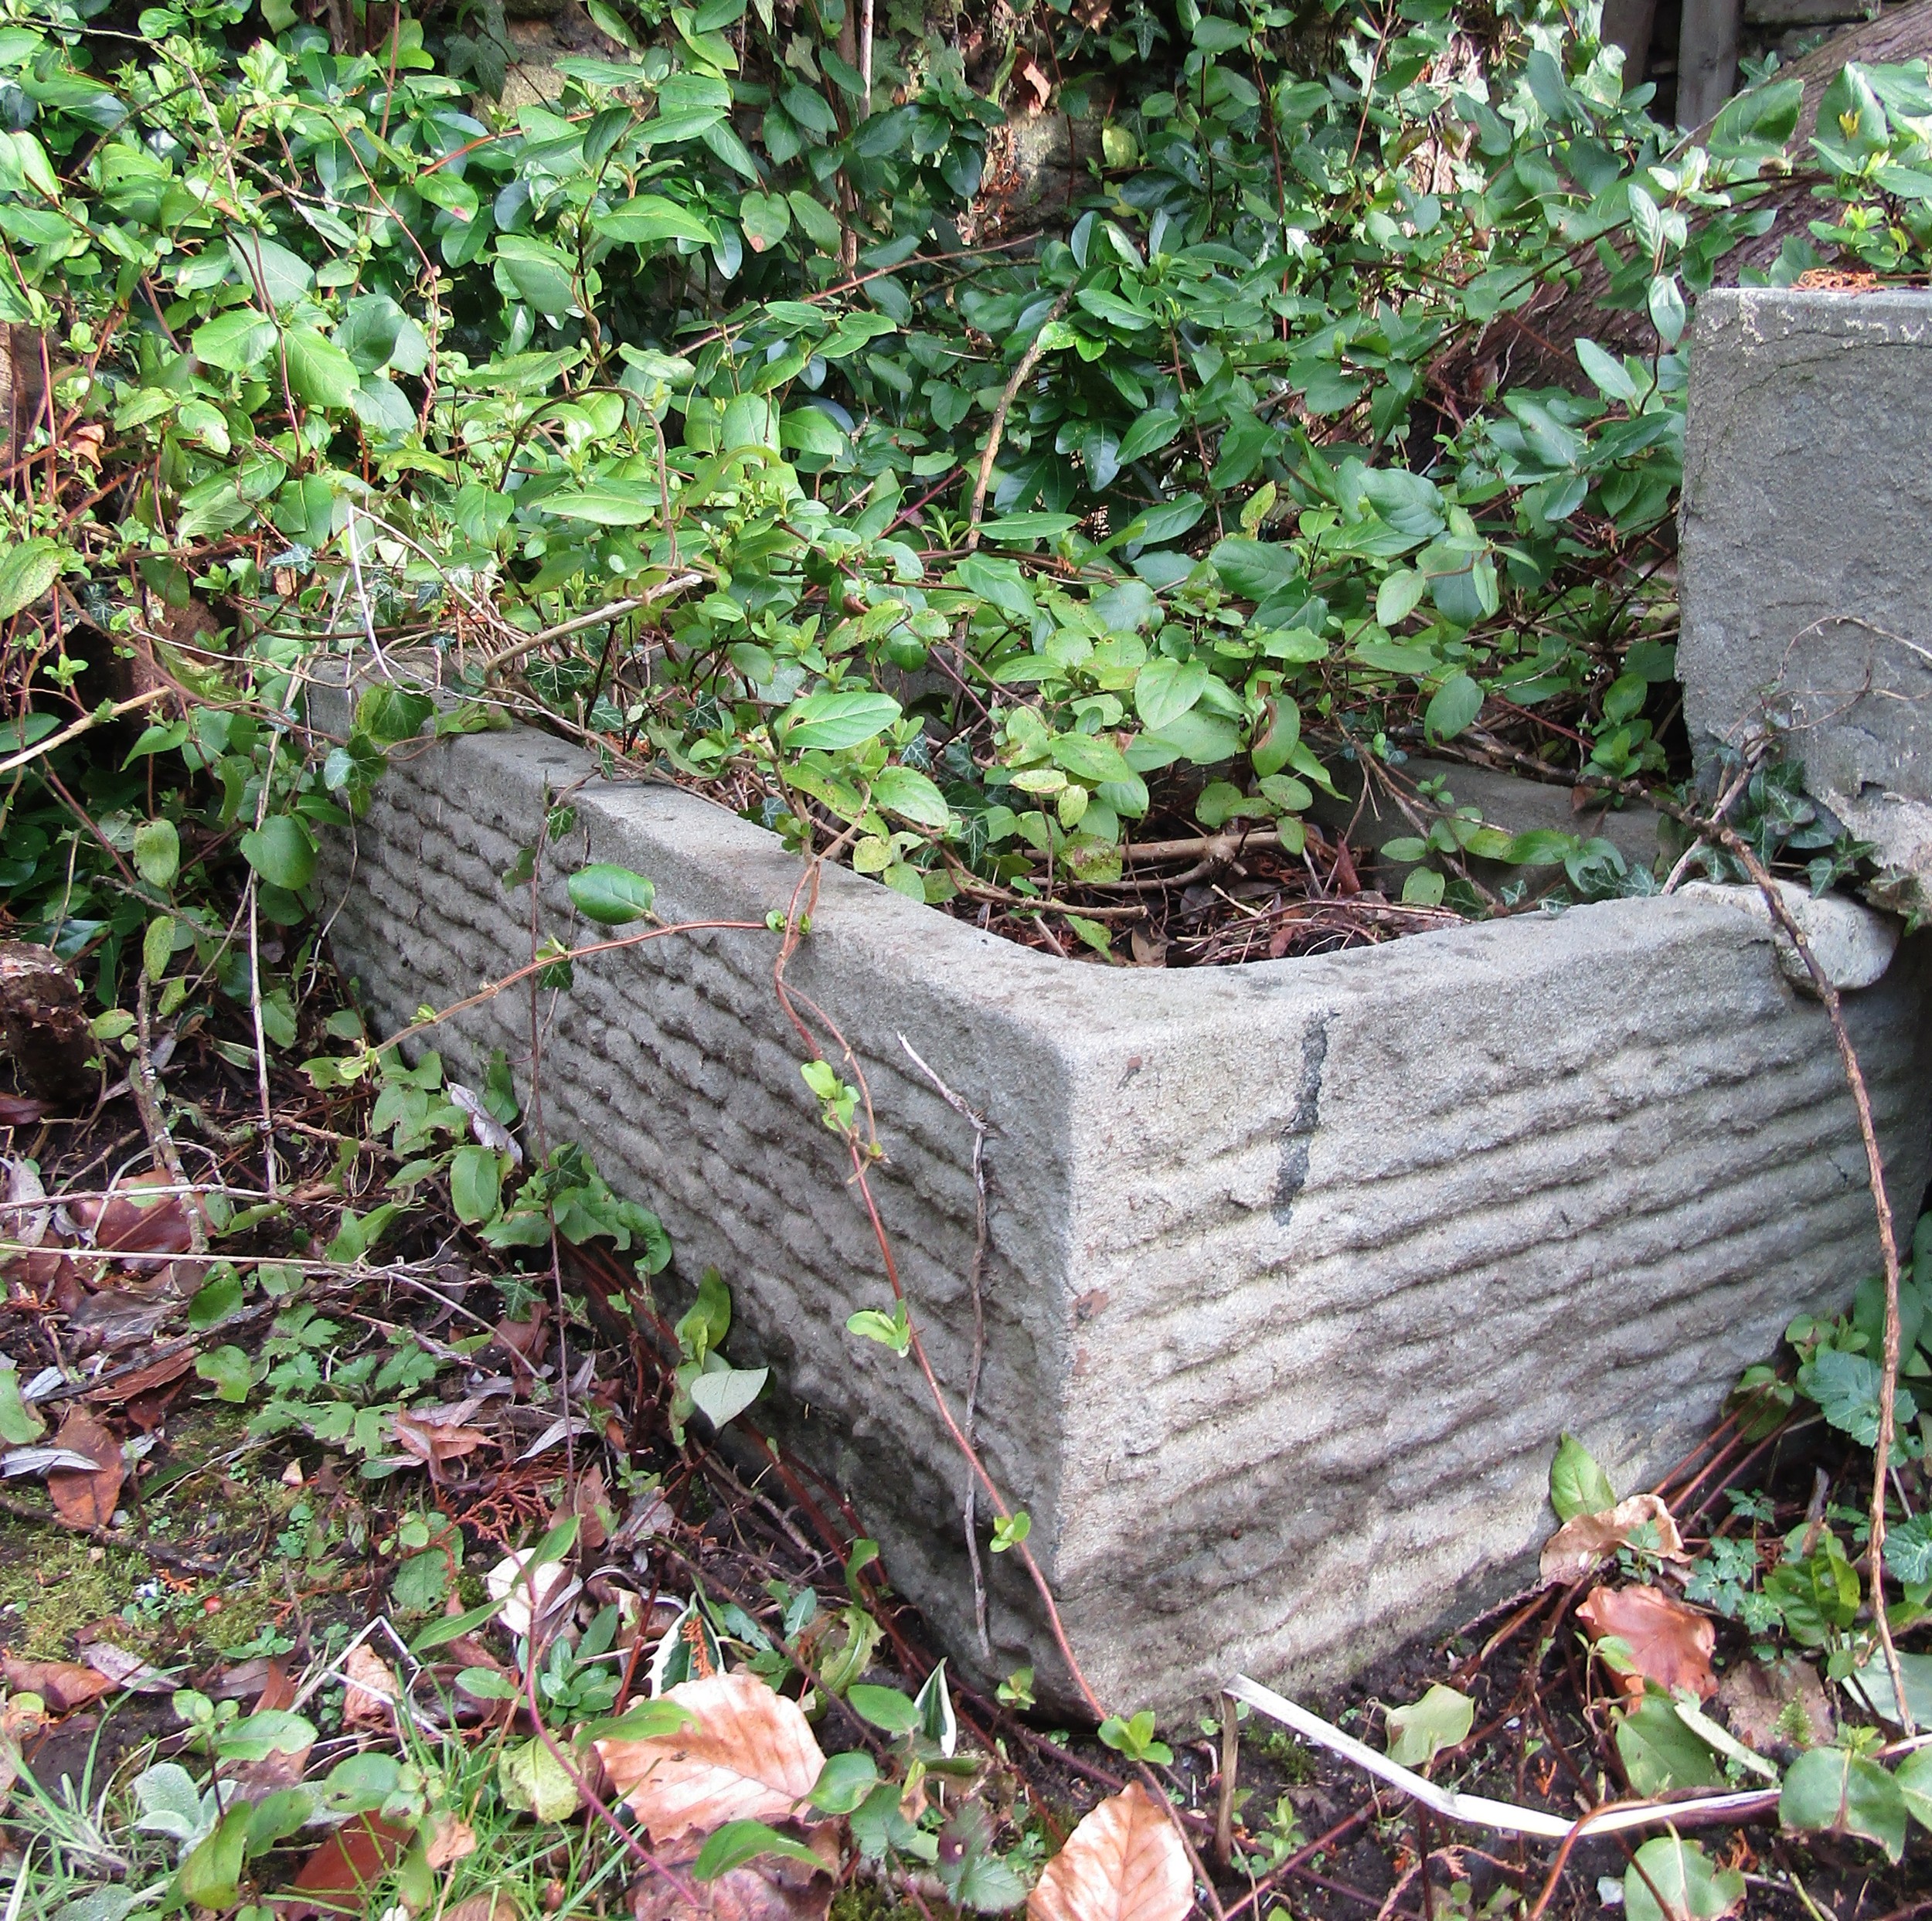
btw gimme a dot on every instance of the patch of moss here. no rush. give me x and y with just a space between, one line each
53 1584
863 1900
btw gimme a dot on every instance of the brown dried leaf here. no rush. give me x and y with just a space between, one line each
1038 81
135 1220
1669 1642
1575 1548
450 1840
372 1686
144 1380
83 1499
435 1443
64 1685
751 1756
1123 1863
771 1888
125 1668
16 1110
496 1905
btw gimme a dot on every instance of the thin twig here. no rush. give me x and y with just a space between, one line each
969 1506
1028 361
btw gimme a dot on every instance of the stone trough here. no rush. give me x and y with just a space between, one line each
1297 1270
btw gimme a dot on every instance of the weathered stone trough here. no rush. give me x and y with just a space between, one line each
1297 1270
1807 571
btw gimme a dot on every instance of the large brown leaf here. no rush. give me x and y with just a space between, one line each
86 1499
1671 1644
1123 1863
751 1756
337 1874
63 1685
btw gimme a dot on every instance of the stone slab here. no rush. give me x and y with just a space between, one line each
1297 1270
1806 550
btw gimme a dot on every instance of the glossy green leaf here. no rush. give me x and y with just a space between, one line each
611 895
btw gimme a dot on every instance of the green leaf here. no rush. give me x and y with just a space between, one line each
319 373
282 852
1828 1788
216 1299
611 895
1660 1753
1756 125
1577 1485
26 572
1914 1779
1454 706
1160 524
476 1183
651 217
229 1372
530 1780
236 341
909 794
1667 312
722 1395
883 1707
19 1424
1164 690
1028 526
1608 374
606 506
836 719
844 1782
1149 434
1442 1718
156 852
454 1626
1846 1386
1908 1550
211 1875
737 1842
766 219
1679 1870
1398 597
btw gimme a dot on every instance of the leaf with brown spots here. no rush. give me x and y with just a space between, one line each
1123 1863
85 1499
1669 1642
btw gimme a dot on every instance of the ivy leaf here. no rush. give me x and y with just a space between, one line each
611 895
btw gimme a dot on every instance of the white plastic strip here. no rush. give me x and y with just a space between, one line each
1478 1809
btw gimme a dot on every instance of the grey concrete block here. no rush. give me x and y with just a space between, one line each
1297 1270
1806 570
